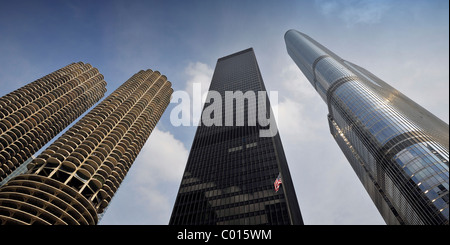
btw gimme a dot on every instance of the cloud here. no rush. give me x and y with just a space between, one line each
198 73
295 83
298 107
197 85
354 12
292 122
163 158
148 192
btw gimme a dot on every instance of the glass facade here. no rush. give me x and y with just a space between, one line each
230 173
398 149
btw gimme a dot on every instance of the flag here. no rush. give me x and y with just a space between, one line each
277 182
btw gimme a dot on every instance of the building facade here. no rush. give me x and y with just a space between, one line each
230 173
397 148
35 113
73 180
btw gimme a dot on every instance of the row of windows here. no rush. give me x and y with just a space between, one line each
379 118
42 86
220 197
361 113
357 154
328 71
238 74
248 183
192 208
216 151
233 166
366 176
401 204
241 147
428 172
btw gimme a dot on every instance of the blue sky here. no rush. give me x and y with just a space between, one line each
405 43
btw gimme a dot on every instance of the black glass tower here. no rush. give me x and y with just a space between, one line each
232 166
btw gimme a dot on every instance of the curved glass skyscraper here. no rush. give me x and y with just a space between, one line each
398 149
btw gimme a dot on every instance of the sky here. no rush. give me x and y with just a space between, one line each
404 42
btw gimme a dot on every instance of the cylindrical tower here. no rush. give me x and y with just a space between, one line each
397 148
74 179
35 113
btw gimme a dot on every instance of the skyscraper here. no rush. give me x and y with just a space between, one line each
397 148
73 180
231 170
35 113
